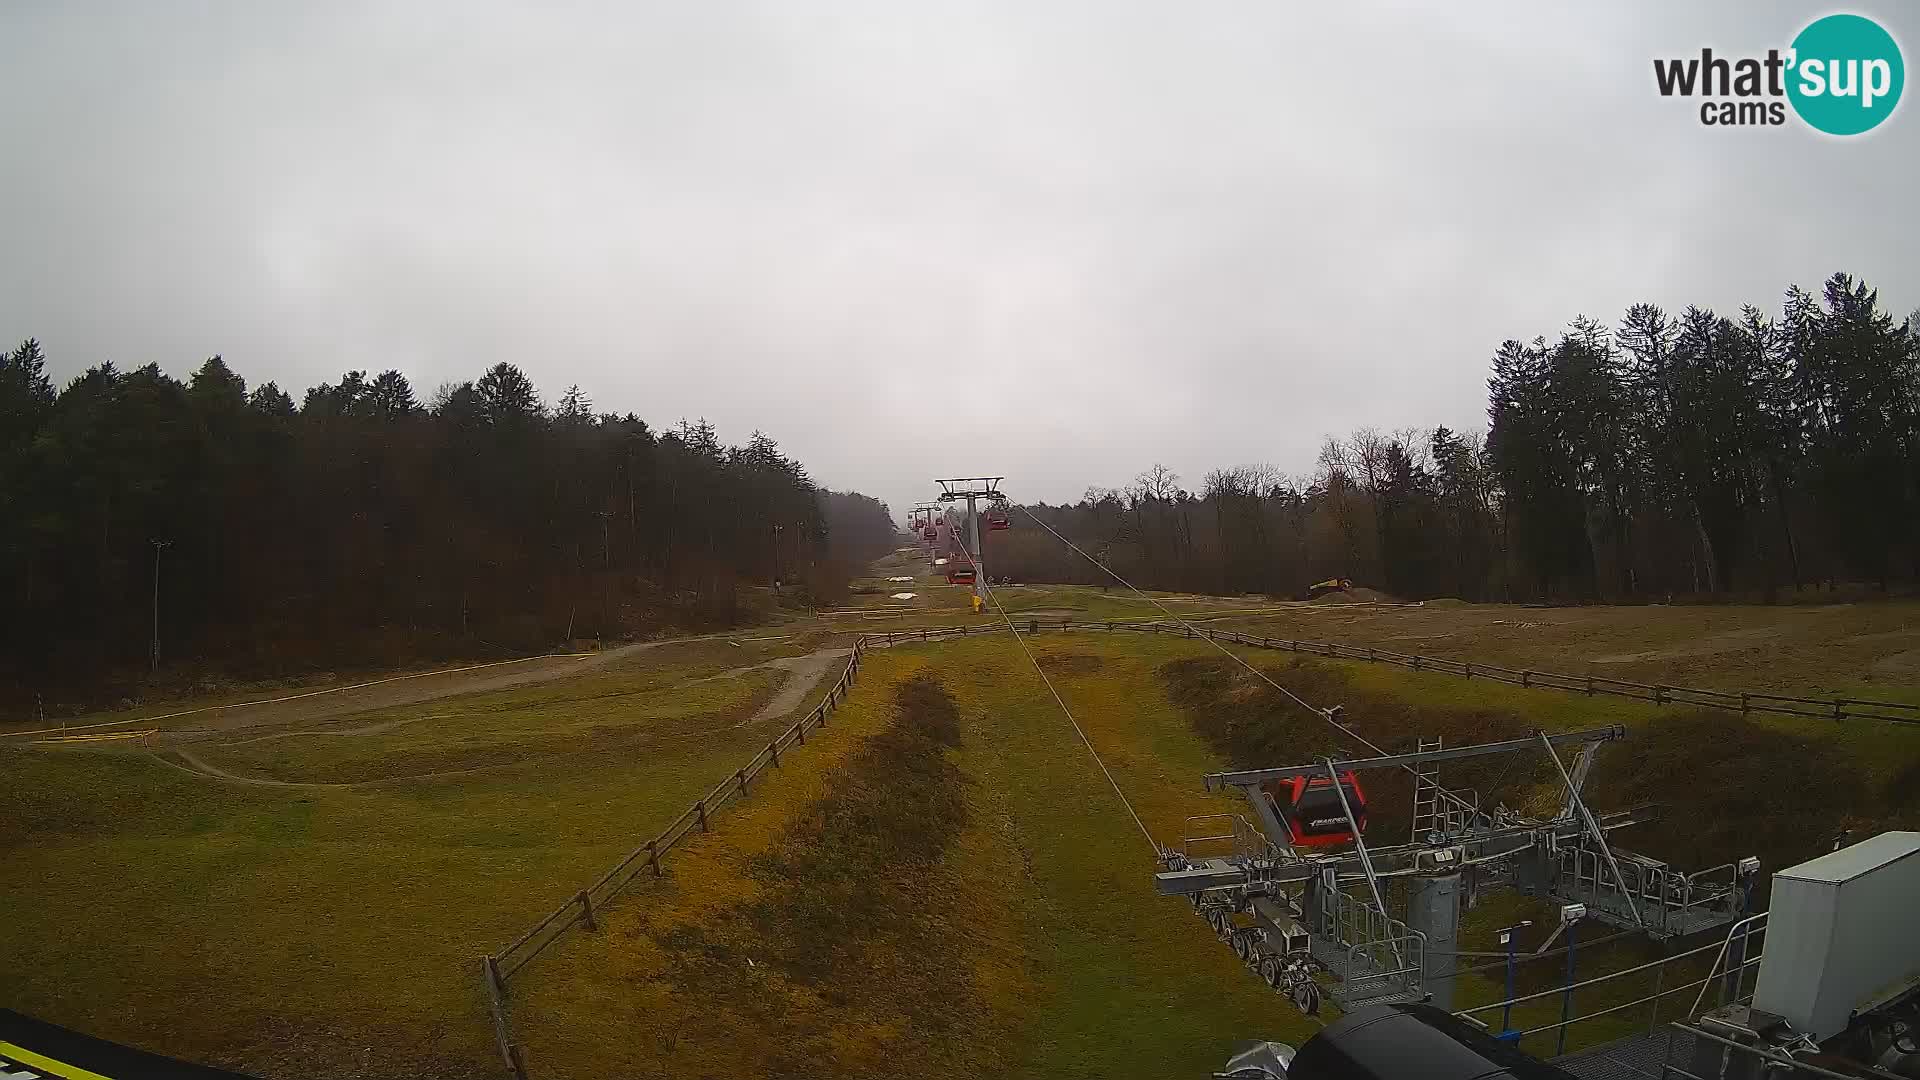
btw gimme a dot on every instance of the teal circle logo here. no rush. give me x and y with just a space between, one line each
1846 74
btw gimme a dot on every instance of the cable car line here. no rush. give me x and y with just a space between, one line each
1325 714
987 588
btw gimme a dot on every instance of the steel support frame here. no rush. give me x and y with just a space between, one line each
1209 874
1593 829
1247 777
1366 863
975 487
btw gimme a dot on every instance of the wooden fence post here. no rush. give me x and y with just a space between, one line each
1466 669
1416 661
701 808
653 856
1745 705
1659 695
1839 713
741 775
586 908
773 748
1526 680
493 972
1589 686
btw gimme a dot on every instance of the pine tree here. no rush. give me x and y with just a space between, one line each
507 396
575 407
390 397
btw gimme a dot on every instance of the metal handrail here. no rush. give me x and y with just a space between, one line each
1783 1059
1572 1020
1593 981
1725 944
1414 938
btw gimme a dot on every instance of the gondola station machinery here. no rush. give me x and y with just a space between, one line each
1300 893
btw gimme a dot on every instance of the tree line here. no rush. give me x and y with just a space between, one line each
251 535
1690 455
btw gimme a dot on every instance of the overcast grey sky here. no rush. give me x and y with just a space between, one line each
1058 241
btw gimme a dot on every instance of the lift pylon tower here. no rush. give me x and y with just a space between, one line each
973 488
1304 918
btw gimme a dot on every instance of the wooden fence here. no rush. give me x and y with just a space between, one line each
582 908
1742 701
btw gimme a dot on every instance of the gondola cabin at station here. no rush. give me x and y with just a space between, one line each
1311 810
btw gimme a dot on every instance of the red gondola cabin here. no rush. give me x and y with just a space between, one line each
1310 808
959 575
997 520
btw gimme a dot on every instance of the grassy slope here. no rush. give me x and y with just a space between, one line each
271 928
1868 649
1113 980
1062 957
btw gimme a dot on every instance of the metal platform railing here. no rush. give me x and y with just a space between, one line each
1668 902
1734 956
1373 955
1242 839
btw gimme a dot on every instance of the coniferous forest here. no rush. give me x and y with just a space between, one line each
1691 455
253 535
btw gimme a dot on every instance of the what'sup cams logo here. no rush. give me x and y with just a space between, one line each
1842 75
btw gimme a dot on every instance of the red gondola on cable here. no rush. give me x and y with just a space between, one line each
929 533
998 520
1310 808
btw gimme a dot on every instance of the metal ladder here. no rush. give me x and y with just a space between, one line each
1426 793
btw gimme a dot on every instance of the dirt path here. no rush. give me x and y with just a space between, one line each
188 763
370 729
393 691
194 765
805 673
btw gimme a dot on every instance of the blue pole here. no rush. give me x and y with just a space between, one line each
1566 1001
1506 1014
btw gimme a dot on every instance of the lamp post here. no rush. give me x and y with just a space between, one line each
157 546
1506 1014
1569 915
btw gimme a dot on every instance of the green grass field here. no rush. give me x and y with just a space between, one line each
993 916
269 928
